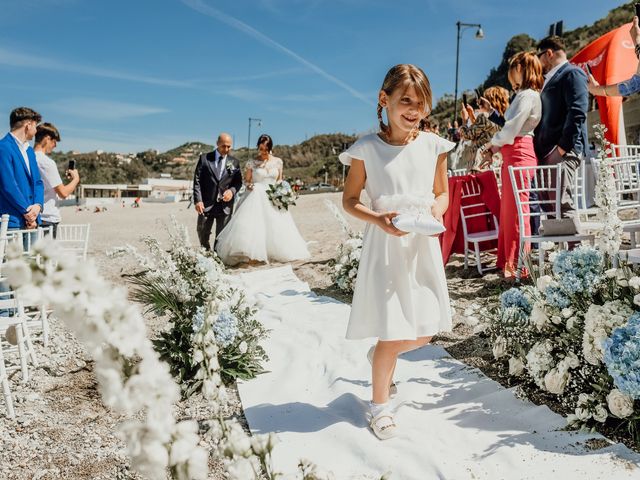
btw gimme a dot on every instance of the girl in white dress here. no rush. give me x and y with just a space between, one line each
401 295
258 231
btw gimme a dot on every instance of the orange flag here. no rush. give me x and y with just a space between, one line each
612 60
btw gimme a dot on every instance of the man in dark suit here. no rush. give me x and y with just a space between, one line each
216 182
21 188
561 135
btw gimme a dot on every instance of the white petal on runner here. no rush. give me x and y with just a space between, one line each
453 422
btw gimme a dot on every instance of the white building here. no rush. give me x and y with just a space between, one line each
160 190
167 189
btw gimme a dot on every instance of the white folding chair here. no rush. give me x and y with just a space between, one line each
473 207
28 238
539 179
37 315
74 239
627 181
6 388
457 172
17 321
625 150
497 171
4 376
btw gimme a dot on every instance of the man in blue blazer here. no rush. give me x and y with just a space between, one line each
561 135
21 188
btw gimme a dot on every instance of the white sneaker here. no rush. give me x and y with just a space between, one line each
393 388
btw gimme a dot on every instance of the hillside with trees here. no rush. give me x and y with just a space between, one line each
308 161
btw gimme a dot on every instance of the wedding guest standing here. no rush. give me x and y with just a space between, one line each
21 188
47 138
515 142
216 181
561 136
400 296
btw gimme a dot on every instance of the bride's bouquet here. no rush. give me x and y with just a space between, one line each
282 195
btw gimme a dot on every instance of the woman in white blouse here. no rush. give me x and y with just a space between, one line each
515 142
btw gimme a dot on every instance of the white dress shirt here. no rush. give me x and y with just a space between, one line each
549 75
23 149
51 179
521 118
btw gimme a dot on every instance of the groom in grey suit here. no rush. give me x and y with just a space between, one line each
216 182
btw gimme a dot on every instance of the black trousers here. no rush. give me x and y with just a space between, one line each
53 225
205 224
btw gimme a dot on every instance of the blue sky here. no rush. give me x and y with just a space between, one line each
131 75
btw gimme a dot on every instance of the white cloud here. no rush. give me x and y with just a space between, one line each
26 60
200 6
255 76
91 139
256 95
98 109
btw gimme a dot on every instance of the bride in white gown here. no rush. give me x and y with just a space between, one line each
258 231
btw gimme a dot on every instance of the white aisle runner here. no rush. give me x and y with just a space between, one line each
454 423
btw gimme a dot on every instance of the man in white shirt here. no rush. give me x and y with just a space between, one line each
47 138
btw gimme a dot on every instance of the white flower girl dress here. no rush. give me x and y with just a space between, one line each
401 289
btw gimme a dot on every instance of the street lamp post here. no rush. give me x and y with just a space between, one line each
479 35
259 122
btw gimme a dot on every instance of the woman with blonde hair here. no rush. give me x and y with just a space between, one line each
515 142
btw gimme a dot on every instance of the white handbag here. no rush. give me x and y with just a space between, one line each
421 223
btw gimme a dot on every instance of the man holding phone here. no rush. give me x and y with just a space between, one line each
47 138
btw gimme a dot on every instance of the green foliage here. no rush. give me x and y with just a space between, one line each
103 167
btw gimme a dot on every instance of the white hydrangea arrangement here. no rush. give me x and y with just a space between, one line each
576 335
211 319
347 259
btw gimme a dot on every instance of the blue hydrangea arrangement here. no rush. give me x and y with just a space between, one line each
579 270
514 298
198 319
226 328
622 357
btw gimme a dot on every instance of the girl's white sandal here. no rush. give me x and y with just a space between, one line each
383 425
